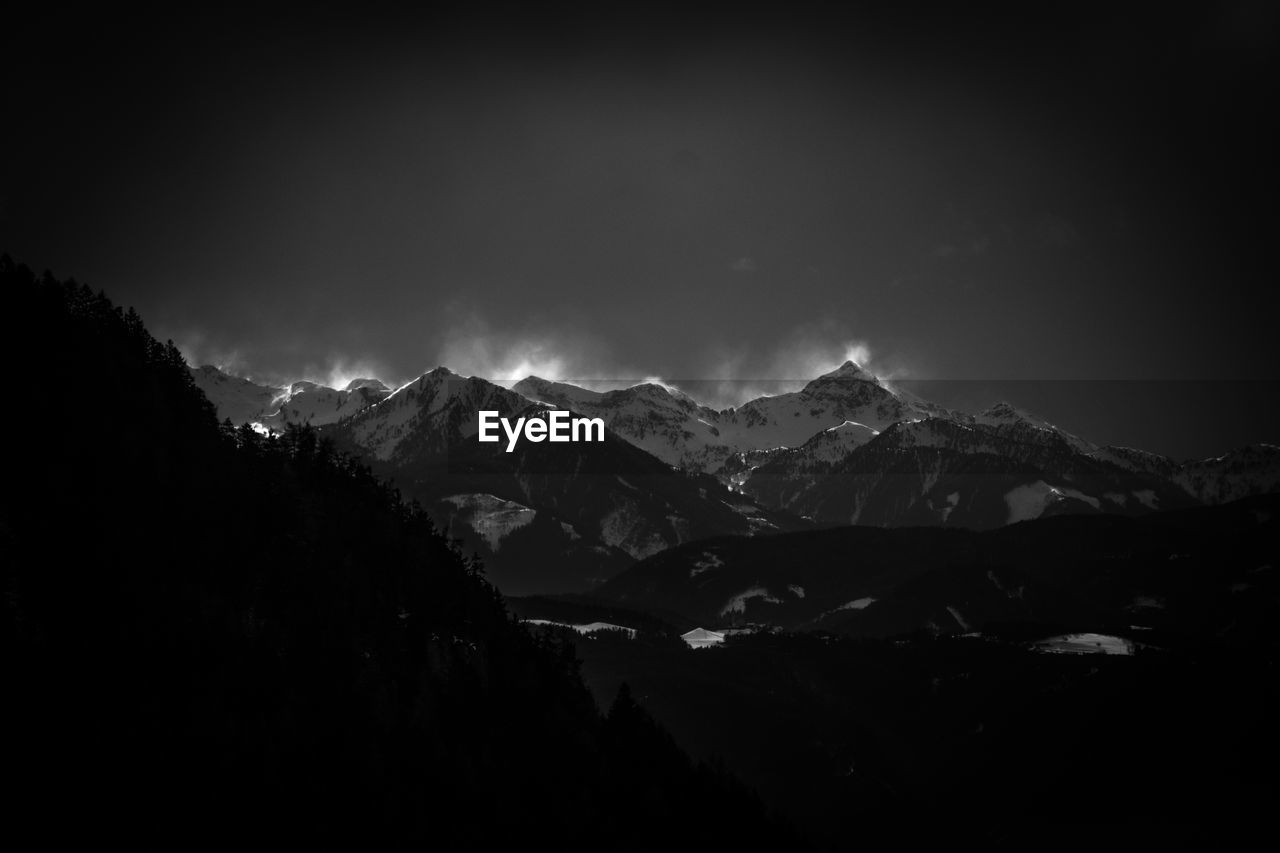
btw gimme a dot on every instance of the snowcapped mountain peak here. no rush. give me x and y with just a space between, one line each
431 378
653 389
549 391
274 407
849 382
675 427
437 409
658 390
849 371
373 384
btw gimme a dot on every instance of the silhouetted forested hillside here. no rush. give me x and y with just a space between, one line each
209 633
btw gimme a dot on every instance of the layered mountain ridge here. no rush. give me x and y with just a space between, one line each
847 448
1101 572
544 517
271 408
682 432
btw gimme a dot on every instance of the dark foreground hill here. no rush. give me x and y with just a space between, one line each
930 743
1204 571
211 634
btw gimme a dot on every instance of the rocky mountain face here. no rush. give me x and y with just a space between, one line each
1251 470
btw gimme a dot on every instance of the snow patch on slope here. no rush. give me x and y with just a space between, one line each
1028 501
709 561
738 603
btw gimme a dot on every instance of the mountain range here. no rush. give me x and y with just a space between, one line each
846 449
288 644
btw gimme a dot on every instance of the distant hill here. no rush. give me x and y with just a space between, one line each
1206 570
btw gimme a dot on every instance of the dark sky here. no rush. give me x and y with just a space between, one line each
1077 192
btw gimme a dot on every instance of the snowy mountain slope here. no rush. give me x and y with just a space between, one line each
560 394
428 415
315 404
937 467
667 424
1001 466
944 471
680 431
243 401
424 437
610 496
846 448
240 400
847 393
